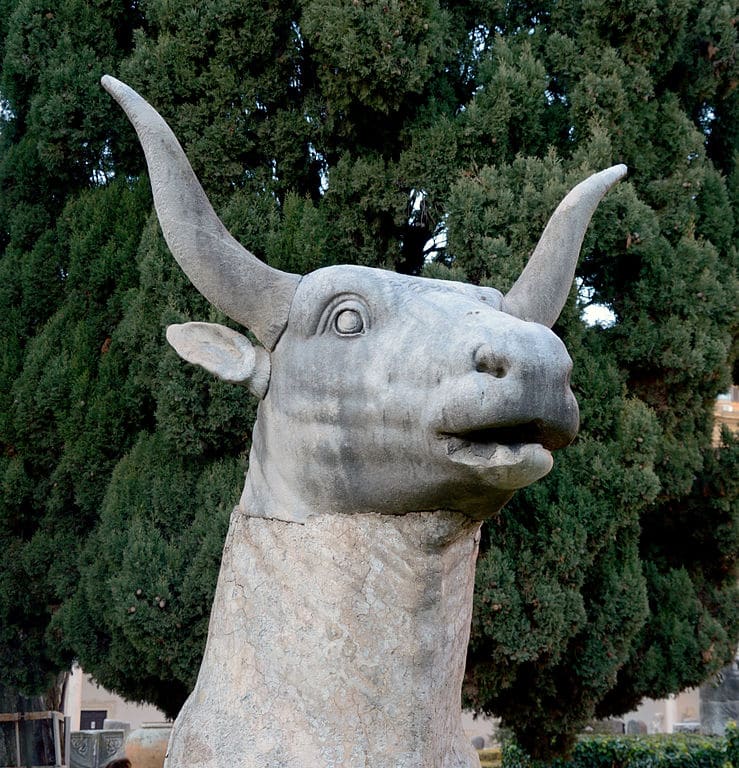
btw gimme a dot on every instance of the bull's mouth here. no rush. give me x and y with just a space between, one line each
516 434
519 453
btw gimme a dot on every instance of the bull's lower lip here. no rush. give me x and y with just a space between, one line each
515 464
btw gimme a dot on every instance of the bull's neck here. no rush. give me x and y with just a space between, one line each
352 633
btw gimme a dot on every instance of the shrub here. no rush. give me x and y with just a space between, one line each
673 751
732 745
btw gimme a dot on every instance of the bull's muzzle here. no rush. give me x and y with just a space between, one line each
514 406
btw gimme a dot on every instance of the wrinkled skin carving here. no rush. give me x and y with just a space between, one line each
395 394
396 413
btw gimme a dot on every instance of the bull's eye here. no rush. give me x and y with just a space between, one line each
346 315
349 321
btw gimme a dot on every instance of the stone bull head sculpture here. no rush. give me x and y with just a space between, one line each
396 413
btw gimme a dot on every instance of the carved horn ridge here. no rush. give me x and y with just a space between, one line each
246 289
542 288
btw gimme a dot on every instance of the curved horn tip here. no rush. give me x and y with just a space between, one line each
613 174
619 170
594 186
110 83
121 92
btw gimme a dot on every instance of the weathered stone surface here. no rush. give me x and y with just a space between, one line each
92 749
609 725
719 700
636 727
340 642
441 401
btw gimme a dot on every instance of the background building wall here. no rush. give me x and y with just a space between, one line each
82 694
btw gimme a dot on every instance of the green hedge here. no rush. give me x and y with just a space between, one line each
673 751
732 745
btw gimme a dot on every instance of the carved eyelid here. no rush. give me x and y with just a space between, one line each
341 303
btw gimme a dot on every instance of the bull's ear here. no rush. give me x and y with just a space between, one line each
223 352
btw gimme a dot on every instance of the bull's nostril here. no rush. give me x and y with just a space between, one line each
487 361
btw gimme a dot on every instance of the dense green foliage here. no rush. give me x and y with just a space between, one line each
354 132
674 751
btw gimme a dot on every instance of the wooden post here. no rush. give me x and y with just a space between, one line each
17 741
57 741
68 741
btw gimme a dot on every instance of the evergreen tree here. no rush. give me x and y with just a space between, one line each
430 137
65 264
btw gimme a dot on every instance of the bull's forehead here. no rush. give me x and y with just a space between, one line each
386 294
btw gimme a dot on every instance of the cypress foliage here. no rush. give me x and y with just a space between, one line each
65 264
355 132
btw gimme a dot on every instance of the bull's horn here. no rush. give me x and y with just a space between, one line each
542 288
234 280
